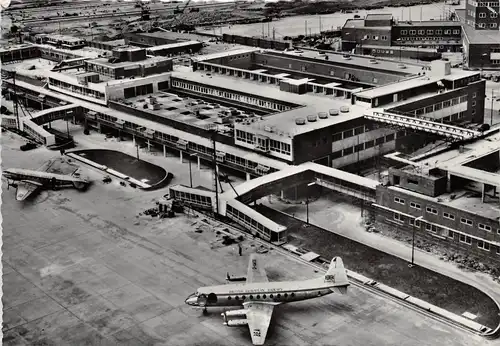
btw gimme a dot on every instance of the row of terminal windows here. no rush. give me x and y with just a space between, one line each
245 137
76 89
192 198
351 132
34 134
441 105
264 296
366 145
449 216
240 217
230 95
484 245
483 14
430 32
192 146
271 144
491 25
482 3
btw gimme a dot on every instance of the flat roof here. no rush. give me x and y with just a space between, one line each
239 152
395 87
62 37
284 121
357 62
225 54
173 45
461 200
87 52
354 23
11 47
148 60
416 24
379 16
454 157
481 36
402 48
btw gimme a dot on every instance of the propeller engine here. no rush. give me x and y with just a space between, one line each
14 185
236 323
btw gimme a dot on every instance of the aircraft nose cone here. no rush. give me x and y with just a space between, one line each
192 300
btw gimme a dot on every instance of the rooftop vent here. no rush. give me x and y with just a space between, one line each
334 112
312 118
344 109
322 115
268 129
300 121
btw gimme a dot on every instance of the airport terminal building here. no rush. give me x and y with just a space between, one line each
272 114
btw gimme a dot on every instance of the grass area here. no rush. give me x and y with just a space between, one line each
125 164
434 288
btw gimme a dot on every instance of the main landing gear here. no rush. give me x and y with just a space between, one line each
205 311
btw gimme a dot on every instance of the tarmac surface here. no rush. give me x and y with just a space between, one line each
82 268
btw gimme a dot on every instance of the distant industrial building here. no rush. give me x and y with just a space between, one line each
62 41
481 42
163 43
254 41
381 35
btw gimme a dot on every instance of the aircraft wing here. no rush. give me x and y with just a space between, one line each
256 272
26 188
259 318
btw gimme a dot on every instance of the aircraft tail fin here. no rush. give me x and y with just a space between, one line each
337 276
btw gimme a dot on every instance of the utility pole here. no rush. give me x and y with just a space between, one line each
216 175
190 173
268 29
137 148
306 27
491 110
320 25
14 95
274 33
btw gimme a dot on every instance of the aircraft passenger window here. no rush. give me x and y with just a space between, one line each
258 296
286 295
293 294
264 296
243 297
270 296
237 298
228 297
278 296
251 296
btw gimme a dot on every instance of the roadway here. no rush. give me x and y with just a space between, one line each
85 268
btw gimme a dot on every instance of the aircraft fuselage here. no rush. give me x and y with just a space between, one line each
45 178
269 292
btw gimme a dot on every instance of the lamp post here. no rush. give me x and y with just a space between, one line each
190 171
137 149
307 203
418 47
482 61
413 243
399 40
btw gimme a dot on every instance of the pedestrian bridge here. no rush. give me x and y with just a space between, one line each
419 124
233 203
